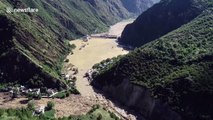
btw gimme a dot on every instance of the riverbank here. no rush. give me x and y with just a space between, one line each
93 51
88 53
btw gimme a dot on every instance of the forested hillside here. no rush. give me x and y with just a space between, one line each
176 68
161 19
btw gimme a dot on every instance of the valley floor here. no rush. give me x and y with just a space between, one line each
86 54
94 51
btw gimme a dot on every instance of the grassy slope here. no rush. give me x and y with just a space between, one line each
110 11
28 48
26 114
177 67
75 18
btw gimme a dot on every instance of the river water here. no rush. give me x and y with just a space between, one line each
86 54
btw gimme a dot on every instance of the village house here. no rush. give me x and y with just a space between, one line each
39 110
50 92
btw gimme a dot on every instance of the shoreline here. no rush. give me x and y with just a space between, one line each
90 52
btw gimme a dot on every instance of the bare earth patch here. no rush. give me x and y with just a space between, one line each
6 101
72 105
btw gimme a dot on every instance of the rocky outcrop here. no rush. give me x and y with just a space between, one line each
140 99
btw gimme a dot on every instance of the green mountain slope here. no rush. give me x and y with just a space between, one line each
161 19
177 68
110 11
30 50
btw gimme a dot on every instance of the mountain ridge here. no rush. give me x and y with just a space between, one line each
173 14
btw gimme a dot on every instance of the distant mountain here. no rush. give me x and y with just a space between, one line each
171 77
161 19
121 8
110 11
138 6
33 45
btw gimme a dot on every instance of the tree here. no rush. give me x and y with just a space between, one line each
50 105
15 93
31 105
99 117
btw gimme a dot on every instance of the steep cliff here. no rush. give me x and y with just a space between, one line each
140 99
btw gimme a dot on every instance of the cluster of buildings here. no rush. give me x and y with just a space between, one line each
105 35
22 90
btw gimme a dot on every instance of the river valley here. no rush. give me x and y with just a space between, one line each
83 58
93 51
